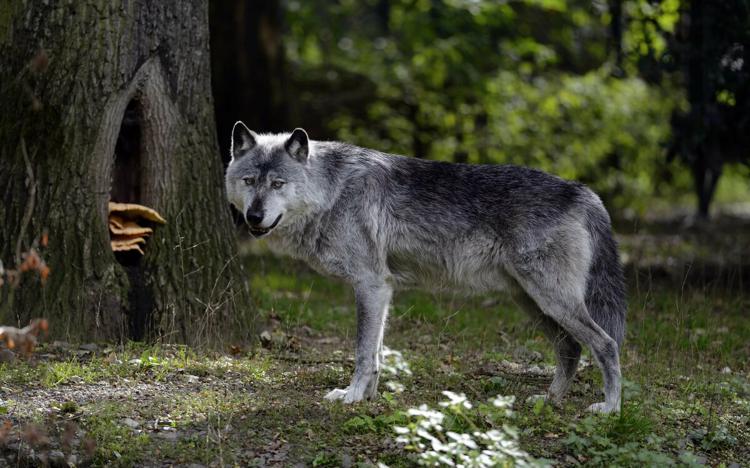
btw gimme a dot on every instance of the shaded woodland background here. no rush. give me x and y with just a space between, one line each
647 101
205 351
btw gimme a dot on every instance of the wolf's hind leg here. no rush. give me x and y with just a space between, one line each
569 311
567 349
373 299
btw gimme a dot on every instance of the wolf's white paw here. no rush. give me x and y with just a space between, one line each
602 407
355 392
347 395
336 394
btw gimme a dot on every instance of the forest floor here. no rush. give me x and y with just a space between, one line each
685 364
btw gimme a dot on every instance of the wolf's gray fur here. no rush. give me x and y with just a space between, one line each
382 222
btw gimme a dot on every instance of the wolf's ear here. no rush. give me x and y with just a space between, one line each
243 139
298 145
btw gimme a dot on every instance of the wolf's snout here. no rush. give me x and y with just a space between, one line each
254 217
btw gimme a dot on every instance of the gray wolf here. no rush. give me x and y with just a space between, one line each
383 222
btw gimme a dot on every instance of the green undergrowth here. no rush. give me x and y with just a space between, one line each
685 365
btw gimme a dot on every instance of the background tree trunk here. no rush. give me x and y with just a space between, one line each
105 97
249 67
616 27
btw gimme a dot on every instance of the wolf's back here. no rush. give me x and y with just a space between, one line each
605 290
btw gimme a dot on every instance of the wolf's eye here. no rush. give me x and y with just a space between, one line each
277 184
249 180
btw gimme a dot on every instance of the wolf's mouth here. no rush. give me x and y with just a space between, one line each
260 231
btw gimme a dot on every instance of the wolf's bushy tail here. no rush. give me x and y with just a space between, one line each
605 290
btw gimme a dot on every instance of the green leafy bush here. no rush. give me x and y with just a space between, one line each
624 439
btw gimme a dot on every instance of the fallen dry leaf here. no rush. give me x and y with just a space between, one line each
25 338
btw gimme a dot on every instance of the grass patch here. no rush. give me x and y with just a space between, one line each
115 442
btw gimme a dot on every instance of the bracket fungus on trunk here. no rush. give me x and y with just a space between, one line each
126 229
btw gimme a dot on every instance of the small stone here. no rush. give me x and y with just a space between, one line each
56 457
93 347
535 370
533 399
170 435
491 302
527 355
131 423
7 355
192 379
265 338
726 370
307 331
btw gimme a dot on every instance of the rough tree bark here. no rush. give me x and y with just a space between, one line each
105 98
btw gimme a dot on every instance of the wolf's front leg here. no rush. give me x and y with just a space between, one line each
373 299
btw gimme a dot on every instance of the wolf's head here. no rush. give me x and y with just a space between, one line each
266 176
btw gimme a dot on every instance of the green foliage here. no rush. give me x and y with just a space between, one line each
116 444
600 130
525 82
707 44
380 424
58 373
645 40
625 439
592 128
326 459
717 438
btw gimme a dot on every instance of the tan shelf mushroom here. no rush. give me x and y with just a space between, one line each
126 232
129 228
132 210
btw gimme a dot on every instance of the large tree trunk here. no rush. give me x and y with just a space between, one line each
706 163
112 98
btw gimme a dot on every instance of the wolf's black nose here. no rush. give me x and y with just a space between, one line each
254 217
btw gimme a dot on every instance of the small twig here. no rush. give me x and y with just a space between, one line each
30 205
